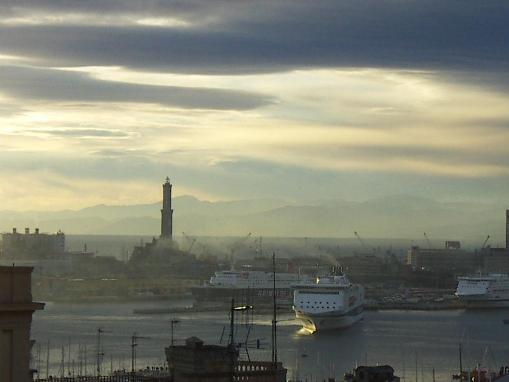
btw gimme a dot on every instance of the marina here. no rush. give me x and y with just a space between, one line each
402 339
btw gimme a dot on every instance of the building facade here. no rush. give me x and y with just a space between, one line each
32 245
450 259
16 309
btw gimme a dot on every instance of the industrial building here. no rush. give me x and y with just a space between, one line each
450 259
453 259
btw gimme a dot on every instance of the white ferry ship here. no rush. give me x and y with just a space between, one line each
330 302
253 287
491 291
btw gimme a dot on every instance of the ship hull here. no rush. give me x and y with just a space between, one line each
252 296
330 320
485 303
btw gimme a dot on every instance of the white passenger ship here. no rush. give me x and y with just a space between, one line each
491 291
254 287
330 302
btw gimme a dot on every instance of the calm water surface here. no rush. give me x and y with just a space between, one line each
414 343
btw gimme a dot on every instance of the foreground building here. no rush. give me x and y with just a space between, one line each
16 309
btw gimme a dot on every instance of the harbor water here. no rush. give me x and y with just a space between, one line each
414 342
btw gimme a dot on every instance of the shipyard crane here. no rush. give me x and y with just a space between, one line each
236 245
191 240
363 243
485 242
427 240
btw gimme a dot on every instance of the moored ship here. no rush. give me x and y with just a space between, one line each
490 291
331 302
251 287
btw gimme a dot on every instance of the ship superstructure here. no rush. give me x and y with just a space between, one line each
484 291
330 302
254 287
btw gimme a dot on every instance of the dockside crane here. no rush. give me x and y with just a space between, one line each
236 245
363 243
427 240
485 242
190 240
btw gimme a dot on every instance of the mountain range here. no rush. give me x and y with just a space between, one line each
398 216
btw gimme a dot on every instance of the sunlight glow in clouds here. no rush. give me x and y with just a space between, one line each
82 120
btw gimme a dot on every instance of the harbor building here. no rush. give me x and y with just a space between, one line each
16 309
32 245
450 259
495 260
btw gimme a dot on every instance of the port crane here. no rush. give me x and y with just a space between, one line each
191 240
236 245
485 242
427 240
363 244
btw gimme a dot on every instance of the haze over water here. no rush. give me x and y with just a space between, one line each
398 338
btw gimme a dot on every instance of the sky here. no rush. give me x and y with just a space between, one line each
100 100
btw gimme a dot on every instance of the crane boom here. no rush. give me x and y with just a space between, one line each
363 244
191 241
427 239
485 242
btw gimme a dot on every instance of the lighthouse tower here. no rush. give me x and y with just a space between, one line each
167 212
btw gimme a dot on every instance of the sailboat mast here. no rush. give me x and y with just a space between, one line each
274 312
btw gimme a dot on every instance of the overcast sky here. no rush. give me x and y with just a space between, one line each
301 100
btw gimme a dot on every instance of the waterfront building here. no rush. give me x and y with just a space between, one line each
495 260
449 259
16 309
32 245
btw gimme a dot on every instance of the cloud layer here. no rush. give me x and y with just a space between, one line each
299 99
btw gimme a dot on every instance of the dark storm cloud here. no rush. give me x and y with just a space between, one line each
259 36
58 85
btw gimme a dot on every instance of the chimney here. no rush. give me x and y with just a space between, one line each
27 231
14 230
37 231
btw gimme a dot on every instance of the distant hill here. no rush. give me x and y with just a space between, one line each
398 216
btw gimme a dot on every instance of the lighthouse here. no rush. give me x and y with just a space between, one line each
167 212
